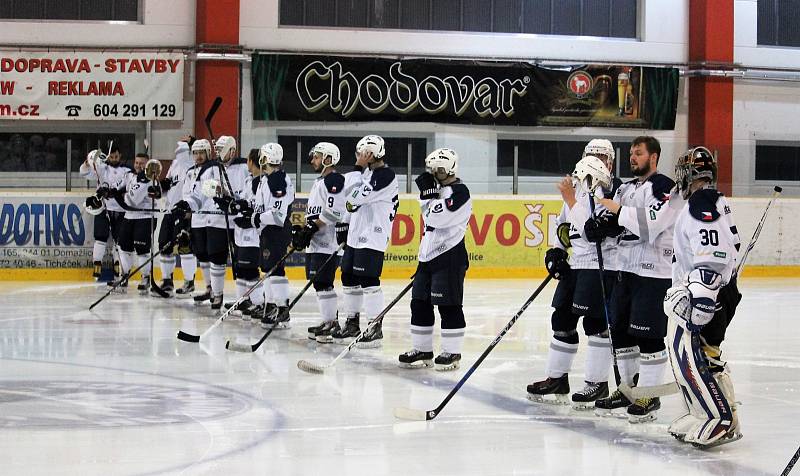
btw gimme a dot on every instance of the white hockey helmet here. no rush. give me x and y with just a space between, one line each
202 145
96 156
371 143
326 149
443 158
270 154
210 188
594 167
601 148
94 206
223 147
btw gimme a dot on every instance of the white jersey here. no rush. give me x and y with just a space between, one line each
326 202
205 212
274 198
584 253
177 173
136 197
247 237
373 203
445 219
111 176
645 247
705 237
239 177
352 180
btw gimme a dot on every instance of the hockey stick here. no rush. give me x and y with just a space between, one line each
254 347
788 468
186 337
127 276
776 191
404 413
670 388
211 112
313 368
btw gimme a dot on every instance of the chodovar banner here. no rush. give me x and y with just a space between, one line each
334 88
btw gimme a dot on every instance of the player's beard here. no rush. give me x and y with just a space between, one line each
640 171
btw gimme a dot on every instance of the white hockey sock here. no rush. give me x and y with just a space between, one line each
373 301
280 289
241 287
167 264
145 271
328 302
628 363
98 250
205 270
125 261
452 340
257 296
217 272
653 367
188 266
598 359
352 300
560 357
267 290
422 338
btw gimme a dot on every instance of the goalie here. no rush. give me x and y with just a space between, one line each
701 303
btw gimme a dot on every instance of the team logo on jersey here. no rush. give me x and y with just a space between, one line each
437 208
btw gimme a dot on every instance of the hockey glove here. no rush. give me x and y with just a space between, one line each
103 192
93 202
165 183
184 243
695 303
597 229
555 260
154 192
241 206
181 209
426 184
301 235
341 232
223 203
243 222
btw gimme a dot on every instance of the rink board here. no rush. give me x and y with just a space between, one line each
48 236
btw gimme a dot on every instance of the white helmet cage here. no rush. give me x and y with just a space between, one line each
594 167
202 145
601 148
445 159
270 154
371 143
223 146
326 149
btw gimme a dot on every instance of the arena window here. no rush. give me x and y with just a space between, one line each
551 158
78 10
777 23
777 162
601 18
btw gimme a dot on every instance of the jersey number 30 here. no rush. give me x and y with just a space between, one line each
709 237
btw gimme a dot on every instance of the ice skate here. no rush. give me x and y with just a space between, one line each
584 399
644 410
322 332
447 361
350 331
372 337
216 302
550 391
614 405
279 320
414 359
186 290
201 298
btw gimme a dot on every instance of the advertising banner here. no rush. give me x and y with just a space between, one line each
91 85
337 88
40 231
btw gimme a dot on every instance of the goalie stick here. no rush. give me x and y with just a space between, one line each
236 347
405 413
313 368
792 462
186 337
670 388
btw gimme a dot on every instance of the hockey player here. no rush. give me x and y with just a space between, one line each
209 235
373 204
246 238
135 234
638 324
701 302
443 261
110 174
173 186
325 208
271 216
578 293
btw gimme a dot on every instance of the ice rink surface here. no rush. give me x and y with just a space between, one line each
114 392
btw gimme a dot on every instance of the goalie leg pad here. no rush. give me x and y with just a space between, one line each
704 396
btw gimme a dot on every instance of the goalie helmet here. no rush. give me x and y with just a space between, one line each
601 148
202 145
591 166
445 159
371 143
270 154
152 170
224 146
695 163
326 149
